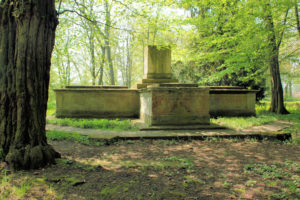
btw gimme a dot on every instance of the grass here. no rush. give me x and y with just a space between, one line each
105 124
263 116
51 108
282 176
75 137
21 186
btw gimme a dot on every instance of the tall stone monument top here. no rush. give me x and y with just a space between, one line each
157 66
157 62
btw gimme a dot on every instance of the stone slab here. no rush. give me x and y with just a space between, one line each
177 85
232 102
143 127
96 86
159 80
97 103
168 134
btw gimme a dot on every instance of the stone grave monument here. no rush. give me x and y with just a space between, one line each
159 101
164 102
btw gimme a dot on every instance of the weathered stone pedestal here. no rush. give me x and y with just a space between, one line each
174 105
157 66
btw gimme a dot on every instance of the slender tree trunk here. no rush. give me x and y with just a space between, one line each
78 71
107 42
68 70
128 64
290 88
100 80
92 54
27 32
297 17
277 105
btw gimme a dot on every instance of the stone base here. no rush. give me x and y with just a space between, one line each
146 82
164 106
144 127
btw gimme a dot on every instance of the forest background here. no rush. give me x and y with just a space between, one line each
213 42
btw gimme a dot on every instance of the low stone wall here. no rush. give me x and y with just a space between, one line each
163 105
97 102
232 101
174 106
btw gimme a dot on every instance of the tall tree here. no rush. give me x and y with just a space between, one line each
27 31
273 46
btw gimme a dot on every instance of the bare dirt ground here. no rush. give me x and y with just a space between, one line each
170 169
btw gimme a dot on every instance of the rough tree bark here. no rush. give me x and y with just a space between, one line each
277 105
27 31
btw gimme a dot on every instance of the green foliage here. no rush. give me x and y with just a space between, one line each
105 124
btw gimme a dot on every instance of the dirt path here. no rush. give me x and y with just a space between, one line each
164 169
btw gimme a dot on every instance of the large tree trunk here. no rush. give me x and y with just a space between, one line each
277 105
27 31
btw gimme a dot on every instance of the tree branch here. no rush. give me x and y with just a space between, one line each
134 11
289 54
94 22
59 6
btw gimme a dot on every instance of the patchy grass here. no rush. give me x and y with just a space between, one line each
105 124
283 177
22 185
244 122
264 117
74 137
